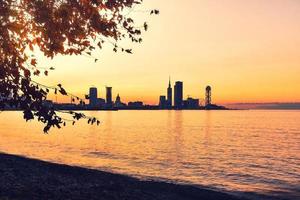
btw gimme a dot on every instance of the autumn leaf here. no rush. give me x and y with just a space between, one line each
33 62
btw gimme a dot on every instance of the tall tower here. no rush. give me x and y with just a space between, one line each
169 95
108 96
118 99
208 95
93 96
178 94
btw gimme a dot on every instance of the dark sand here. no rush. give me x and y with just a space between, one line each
24 178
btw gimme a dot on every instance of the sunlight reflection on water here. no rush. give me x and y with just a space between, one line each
247 151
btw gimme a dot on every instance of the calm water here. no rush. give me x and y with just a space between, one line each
238 151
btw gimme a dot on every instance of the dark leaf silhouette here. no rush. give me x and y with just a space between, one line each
145 26
63 91
128 51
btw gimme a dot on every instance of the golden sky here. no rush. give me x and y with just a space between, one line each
248 51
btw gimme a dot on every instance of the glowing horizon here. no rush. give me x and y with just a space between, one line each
247 51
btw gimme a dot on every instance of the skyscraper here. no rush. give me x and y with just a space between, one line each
169 95
178 94
93 96
118 99
109 96
162 101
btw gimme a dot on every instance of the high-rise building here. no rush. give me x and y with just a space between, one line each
109 96
162 101
178 94
207 95
118 99
93 96
169 95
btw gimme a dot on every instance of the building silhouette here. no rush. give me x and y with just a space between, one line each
109 102
95 102
93 96
169 95
208 96
191 103
118 99
178 94
135 105
118 103
162 102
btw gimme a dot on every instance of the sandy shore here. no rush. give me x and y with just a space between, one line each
23 178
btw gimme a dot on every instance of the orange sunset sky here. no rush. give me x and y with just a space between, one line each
248 51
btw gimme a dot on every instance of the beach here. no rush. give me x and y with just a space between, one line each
25 178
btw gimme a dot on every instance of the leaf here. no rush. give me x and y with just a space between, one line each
145 26
33 62
99 45
28 115
46 129
36 72
156 12
128 51
63 91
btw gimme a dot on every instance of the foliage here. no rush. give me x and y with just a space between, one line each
65 27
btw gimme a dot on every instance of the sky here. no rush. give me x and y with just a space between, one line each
247 51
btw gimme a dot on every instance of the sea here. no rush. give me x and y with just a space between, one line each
250 153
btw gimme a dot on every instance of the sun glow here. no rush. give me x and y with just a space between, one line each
247 51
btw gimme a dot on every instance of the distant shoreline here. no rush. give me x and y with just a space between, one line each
24 178
80 109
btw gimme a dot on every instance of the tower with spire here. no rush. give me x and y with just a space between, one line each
169 94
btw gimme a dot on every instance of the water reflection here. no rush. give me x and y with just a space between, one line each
253 151
207 128
178 136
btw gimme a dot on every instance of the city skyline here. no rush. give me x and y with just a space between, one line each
246 57
172 98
